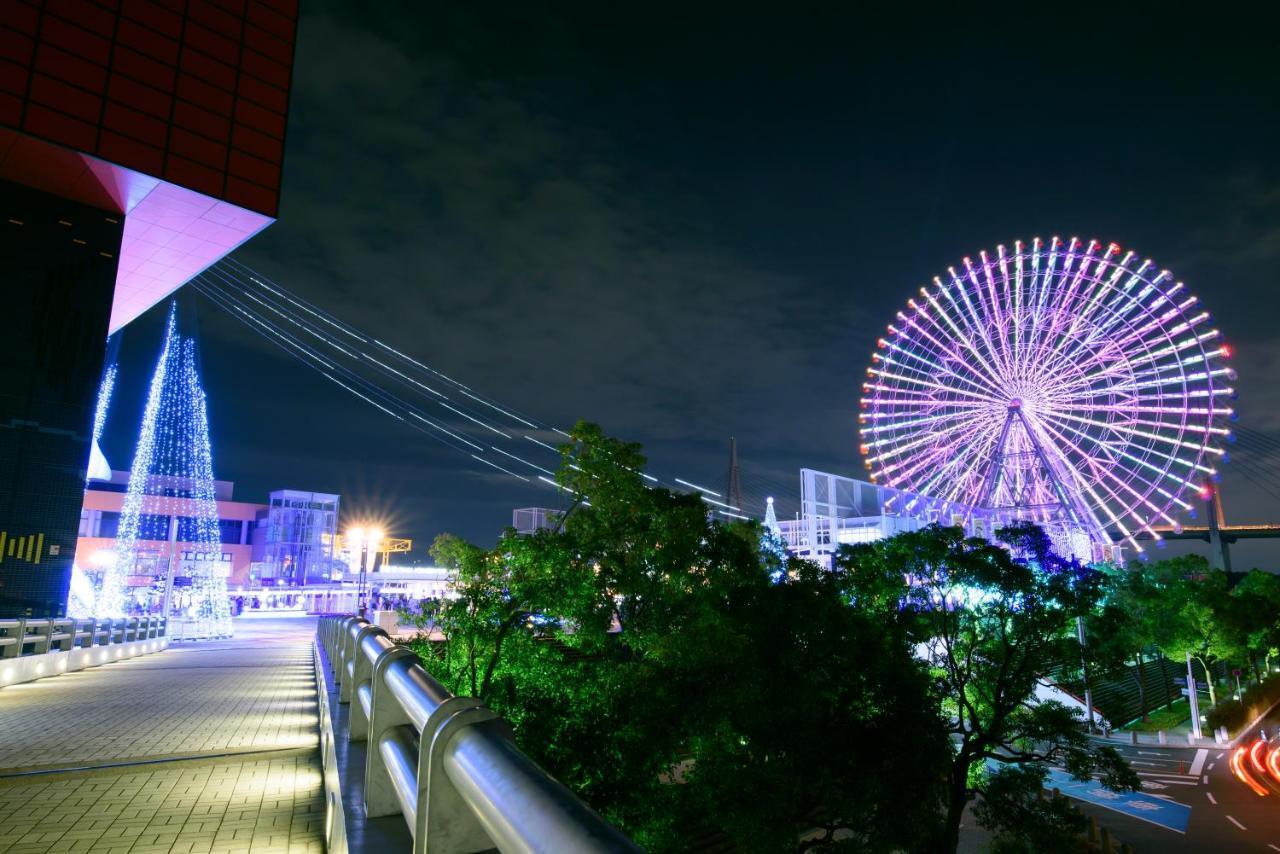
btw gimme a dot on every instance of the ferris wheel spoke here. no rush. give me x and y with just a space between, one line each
1125 507
1172 441
895 448
929 359
1126 485
980 368
1165 473
944 462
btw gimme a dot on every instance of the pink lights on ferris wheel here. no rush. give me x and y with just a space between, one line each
1119 377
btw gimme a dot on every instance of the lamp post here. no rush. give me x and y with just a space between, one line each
356 537
365 538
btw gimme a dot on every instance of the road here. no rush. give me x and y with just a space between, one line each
1215 810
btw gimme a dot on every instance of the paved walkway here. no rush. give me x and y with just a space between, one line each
207 747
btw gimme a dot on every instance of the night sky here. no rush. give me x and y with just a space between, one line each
687 226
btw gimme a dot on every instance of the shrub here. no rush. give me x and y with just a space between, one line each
1234 714
1231 714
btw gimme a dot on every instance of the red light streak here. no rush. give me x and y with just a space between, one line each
1243 775
1273 764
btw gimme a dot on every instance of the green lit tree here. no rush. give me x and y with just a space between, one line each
989 624
685 681
1190 599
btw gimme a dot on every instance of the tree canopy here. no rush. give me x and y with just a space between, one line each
684 680
990 620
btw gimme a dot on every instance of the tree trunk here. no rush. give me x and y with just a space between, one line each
1253 665
957 800
1142 687
1208 678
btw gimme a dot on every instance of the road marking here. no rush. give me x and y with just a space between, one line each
1198 763
1174 782
1272 847
1236 823
1211 798
1211 764
1205 779
1148 753
1221 754
1169 814
1168 775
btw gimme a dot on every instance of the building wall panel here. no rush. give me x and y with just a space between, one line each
96 77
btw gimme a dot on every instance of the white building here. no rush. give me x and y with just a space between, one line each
836 511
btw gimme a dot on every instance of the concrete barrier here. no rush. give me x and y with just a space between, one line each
36 649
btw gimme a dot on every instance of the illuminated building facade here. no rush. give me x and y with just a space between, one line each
138 145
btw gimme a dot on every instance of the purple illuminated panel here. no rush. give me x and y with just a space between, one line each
170 235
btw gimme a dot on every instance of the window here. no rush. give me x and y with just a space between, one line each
109 524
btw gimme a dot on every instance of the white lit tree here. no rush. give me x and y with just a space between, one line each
172 477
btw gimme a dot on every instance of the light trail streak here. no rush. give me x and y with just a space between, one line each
1242 774
222 284
699 488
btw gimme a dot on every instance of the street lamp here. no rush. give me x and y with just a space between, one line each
366 538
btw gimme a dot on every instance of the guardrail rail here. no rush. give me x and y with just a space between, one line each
35 648
37 637
447 764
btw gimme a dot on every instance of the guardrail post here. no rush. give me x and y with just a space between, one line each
14 649
351 666
42 636
345 650
385 715
62 627
446 823
337 648
366 671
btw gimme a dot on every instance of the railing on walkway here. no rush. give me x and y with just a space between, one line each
447 763
37 637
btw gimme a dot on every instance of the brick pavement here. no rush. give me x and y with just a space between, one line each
136 751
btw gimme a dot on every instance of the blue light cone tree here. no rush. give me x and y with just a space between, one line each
172 476
772 543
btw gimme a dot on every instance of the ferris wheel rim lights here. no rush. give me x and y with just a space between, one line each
1115 373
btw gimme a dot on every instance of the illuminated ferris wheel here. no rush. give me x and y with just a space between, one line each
1058 382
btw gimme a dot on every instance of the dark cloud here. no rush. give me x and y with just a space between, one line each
690 227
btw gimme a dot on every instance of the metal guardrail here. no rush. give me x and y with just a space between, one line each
37 637
447 763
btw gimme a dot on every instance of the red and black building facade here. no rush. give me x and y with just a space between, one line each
140 141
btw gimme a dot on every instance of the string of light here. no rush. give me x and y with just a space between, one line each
340 352
171 484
